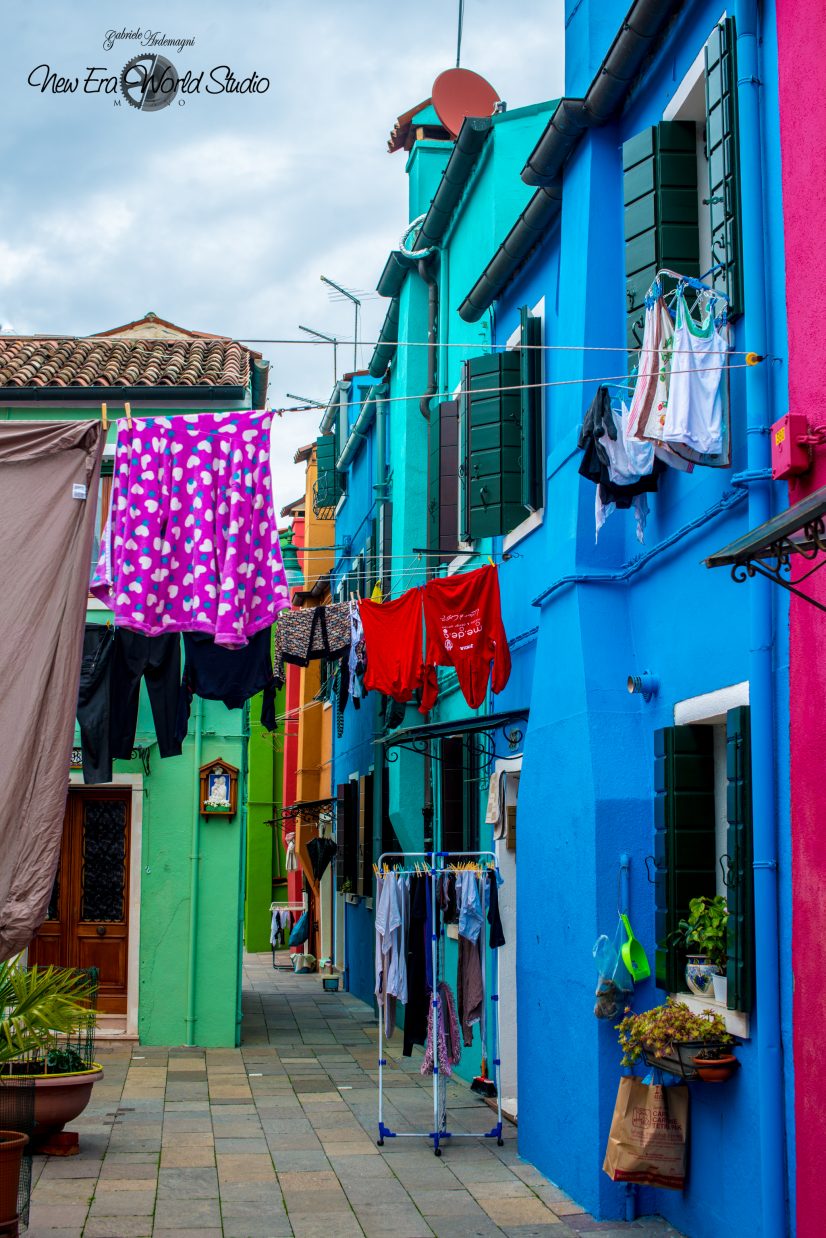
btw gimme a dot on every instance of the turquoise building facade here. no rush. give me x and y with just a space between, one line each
537 233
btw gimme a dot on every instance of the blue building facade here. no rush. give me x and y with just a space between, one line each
537 234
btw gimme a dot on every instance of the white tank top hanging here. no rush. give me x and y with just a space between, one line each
694 413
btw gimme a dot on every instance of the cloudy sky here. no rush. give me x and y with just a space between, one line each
220 214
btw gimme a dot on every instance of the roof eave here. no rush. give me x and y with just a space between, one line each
97 395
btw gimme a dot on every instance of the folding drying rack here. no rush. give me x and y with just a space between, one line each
433 865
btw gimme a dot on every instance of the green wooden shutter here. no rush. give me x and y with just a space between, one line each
740 877
659 169
684 847
530 375
433 478
723 150
443 478
347 834
328 483
493 445
365 836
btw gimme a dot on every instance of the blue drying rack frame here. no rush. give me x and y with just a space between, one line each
434 864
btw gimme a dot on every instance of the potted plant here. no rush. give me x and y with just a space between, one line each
45 1017
704 935
670 1036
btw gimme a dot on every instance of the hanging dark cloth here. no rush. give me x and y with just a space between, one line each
93 702
418 956
595 465
497 935
321 851
216 673
49 478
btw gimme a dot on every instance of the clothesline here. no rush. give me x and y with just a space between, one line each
487 345
603 381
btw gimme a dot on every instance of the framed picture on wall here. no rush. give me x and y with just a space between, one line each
219 789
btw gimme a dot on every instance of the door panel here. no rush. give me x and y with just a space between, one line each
88 915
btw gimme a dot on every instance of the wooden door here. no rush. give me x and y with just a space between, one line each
88 919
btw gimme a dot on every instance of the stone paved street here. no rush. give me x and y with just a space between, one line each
278 1138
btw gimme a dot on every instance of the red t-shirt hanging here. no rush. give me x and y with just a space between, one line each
463 628
393 639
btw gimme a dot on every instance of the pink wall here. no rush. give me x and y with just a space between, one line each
802 59
290 724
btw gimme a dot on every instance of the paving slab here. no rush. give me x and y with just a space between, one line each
277 1140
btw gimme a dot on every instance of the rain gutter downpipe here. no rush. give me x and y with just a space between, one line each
771 1115
612 83
432 282
194 874
729 499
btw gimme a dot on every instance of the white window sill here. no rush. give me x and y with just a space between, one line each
452 930
736 1021
460 561
522 530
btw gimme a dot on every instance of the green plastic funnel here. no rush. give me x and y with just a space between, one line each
633 954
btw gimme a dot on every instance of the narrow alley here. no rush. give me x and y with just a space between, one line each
278 1138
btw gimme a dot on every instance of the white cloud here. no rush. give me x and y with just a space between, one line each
222 214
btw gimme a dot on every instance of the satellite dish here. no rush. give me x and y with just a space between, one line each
458 93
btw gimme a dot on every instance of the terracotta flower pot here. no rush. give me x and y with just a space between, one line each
12 1144
716 1070
59 1099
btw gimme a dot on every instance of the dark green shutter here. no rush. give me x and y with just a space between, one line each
684 841
659 169
365 836
493 445
347 836
723 150
328 482
530 354
740 876
433 478
443 479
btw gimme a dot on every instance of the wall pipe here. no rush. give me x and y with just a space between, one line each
771 1115
624 908
194 874
729 499
243 780
432 282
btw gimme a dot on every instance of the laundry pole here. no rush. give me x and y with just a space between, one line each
194 873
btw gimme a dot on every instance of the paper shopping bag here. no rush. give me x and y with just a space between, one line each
649 1134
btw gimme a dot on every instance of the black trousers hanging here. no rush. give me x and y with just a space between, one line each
93 702
157 659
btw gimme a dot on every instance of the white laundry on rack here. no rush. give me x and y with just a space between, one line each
392 915
468 902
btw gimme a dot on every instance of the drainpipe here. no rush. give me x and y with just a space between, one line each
243 778
764 791
194 874
432 321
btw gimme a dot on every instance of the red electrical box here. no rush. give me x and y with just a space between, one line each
790 455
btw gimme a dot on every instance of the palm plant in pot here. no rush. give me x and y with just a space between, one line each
704 936
45 1020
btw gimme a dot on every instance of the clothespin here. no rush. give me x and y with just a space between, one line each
376 595
127 408
490 561
104 418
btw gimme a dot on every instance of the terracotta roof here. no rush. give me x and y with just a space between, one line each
402 135
295 508
304 453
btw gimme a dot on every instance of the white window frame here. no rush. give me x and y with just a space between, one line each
710 709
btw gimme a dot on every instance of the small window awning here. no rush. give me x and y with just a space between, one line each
419 738
768 550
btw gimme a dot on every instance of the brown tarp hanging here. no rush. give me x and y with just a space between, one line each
49 474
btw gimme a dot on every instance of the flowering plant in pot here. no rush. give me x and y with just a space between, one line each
655 1036
704 936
